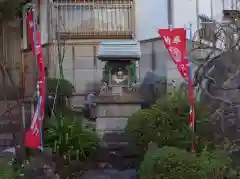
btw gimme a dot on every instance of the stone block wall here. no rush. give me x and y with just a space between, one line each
113 117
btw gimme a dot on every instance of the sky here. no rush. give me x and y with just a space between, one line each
152 14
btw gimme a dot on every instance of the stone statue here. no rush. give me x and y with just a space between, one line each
119 77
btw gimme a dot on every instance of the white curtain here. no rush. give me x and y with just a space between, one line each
74 17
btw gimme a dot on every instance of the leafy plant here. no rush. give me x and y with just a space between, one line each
8 168
175 163
166 123
59 90
6 171
65 88
69 139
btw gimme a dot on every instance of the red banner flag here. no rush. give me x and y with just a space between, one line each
175 42
33 134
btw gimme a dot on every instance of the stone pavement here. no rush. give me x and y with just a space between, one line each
110 174
120 159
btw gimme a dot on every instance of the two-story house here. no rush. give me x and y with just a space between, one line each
71 30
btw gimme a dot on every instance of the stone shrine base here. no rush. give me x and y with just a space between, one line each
112 115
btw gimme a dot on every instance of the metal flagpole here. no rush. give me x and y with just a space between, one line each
192 107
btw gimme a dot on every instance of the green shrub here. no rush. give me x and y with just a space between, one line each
67 136
65 88
59 90
7 171
175 163
166 123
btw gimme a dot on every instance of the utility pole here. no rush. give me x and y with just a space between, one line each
211 6
197 14
232 5
223 4
170 13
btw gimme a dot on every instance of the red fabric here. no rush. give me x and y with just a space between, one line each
175 42
32 136
33 140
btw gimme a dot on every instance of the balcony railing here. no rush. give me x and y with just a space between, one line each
95 18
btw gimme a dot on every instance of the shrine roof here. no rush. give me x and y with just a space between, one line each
112 50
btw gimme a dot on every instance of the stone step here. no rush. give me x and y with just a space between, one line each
6 136
121 156
124 151
114 145
7 131
9 127
117 137
6 141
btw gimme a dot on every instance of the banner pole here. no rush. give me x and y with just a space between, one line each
191 88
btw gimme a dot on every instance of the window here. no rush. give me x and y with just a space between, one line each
101 17
72 17
112 18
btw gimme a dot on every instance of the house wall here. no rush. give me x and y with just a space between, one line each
44 21
10 54
80 65
80 43
83 69
30 69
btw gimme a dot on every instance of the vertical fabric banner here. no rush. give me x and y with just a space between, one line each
33 138
175 42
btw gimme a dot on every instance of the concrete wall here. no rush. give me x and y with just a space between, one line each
155 58
116 110
113 117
